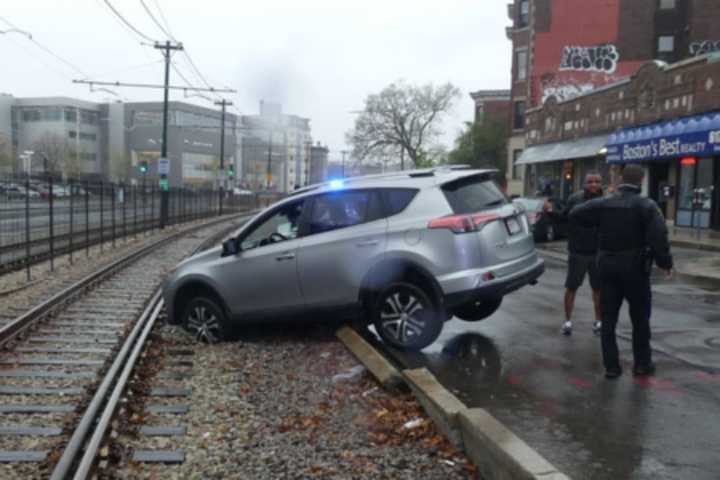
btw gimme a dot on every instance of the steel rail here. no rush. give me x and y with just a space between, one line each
93 446
24 321
100 421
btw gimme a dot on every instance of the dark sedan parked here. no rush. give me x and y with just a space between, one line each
546 217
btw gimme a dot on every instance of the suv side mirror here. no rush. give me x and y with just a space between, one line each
230 247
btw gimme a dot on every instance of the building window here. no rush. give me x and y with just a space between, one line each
519 115
515 167
667 4
666 48
31 115
479 113
70 115
666 43
88 117
521 60
523 14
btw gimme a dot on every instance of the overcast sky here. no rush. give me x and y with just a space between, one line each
319 58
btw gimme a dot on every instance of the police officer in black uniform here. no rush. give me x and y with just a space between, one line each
631 234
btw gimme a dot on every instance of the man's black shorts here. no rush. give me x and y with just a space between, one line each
578 266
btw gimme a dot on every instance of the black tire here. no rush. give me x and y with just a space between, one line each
406 317
480 310
205 320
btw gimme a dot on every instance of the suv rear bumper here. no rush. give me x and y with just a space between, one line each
498 287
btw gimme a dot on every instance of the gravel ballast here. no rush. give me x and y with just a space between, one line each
287 402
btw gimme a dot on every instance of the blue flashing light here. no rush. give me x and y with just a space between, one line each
336 184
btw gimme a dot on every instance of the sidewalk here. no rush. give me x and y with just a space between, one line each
696 263
689 238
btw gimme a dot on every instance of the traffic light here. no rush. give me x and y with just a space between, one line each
231 172
568 170
143 167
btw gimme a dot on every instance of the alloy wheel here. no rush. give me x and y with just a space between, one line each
204 324
403 316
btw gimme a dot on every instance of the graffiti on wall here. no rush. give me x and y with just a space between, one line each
563 89
601 58
706 46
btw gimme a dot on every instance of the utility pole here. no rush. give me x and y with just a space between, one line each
224 104
269 166
344 152
167 49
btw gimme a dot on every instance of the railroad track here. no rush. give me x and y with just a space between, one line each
13 256
66 362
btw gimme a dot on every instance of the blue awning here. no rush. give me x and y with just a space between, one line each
697 136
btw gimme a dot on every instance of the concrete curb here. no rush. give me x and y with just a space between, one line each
681 275
698 246
379 366
497 452
441 405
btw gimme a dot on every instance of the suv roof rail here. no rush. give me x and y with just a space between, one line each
416 173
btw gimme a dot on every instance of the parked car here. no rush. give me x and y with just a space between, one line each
545 217
14 190
405 251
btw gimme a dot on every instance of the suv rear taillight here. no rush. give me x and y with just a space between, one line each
463 223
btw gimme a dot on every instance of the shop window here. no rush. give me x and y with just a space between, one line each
695 192
521 60
519 115
667 4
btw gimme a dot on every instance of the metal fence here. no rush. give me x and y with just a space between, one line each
41 219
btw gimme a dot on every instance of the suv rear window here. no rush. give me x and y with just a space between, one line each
473 194
396 200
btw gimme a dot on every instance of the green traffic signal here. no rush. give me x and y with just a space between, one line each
231 172
143 167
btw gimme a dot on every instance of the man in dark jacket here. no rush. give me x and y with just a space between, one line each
631 234
582 250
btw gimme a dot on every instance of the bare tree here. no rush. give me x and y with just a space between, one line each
401 118
120 165
7 164
50 149
72 165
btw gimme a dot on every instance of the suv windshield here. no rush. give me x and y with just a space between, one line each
473 194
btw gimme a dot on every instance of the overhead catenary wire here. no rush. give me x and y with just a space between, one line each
45 48
155 20
41 60
128 69
164 19
126 22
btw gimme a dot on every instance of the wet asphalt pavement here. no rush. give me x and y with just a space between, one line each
551 391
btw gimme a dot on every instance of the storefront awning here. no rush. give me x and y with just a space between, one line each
697 136
552 152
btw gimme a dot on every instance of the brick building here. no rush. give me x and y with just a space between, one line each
565 48
491 105
665 117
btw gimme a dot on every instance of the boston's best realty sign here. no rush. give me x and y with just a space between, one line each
695 144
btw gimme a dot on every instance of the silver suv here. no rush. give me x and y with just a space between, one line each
406 250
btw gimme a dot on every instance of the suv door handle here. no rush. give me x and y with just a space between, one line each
367 243
285 256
